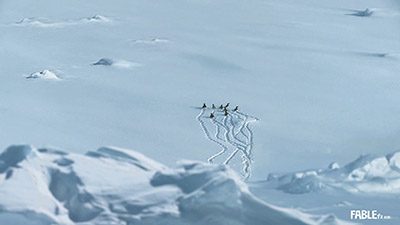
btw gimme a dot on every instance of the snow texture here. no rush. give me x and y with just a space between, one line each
45 74
115 63
40 22
367 174
232 133
119 186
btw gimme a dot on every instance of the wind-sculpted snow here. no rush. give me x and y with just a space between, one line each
119 186
367 174
45 74
41 22
234 136
115 63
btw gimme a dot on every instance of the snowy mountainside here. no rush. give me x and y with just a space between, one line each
367 174
118 186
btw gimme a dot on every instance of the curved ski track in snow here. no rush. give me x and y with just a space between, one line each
233 134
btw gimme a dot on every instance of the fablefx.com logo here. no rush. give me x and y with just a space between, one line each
363 214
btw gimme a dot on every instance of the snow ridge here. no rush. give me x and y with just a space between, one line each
119 186
367 174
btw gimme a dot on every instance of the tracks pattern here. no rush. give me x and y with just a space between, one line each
234 136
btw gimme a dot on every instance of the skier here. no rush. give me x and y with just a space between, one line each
213 106
236 108
221 107
212 115
227 105
226 113
204 106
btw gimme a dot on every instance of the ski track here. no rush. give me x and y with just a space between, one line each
233 134
207 134
244 125
250 132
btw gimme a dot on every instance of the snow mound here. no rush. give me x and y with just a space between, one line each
36 22
115 63
104 62
119 186
367 174
97 18
45 74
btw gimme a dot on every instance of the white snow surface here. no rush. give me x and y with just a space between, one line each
119 186
322 81
370 174
115 63
45 74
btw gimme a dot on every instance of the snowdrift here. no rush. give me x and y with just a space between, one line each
115 63
118 186
367 174
45 74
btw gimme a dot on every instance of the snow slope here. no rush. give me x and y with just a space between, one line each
118 186
322 76
370 182
367 174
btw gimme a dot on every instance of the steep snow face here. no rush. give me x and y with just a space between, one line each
119 186
367 174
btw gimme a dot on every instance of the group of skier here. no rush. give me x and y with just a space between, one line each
222 107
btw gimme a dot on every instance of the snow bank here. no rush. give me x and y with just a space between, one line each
367 174
119 186
45 74
115 63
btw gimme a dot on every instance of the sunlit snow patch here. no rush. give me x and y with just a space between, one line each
367 174
45 74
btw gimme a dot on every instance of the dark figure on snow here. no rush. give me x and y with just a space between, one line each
213 106
204 106
226 113
227 105
236 108
212 115
221 107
